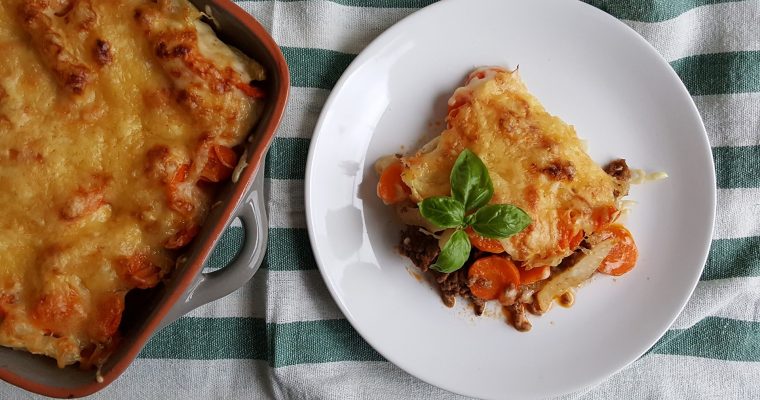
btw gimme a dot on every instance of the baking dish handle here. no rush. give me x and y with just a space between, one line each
210 286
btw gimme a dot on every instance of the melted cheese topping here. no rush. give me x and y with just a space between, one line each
535 160
116 119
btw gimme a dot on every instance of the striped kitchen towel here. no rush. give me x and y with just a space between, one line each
281 336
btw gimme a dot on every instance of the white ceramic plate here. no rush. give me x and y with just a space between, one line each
592 71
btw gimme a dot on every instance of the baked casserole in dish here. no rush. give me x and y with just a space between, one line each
130 135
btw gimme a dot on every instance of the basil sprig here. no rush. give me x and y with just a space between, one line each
470 182
443 211
499 221
471 190
454 253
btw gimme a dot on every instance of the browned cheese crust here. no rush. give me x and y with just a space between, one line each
535 161
117 118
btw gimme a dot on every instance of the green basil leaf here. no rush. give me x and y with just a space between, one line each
470 183
469 219
442 211
454 254
499 221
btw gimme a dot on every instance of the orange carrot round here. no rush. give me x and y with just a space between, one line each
391 188
603 216
182 237
623 256
489 276
535 274
226 156
109 310
220 164
569 235
483 243
569 239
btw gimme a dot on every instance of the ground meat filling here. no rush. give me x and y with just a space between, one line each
518 318
559 171
619 170
457 283
451 285
421 248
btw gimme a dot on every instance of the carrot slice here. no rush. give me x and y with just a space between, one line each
459 101
250 91
176 202
603 216
391 188
220 164
82 203
489 276
5 300
569 237
226 156
483 243
479 74
181 238
139 271
181 174
108 313
535 274
56 307
623 256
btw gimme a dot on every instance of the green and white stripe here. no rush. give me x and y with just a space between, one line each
282 336
665 376
731 119
709 31
254 379
731 299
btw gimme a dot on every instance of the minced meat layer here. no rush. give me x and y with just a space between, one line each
422 248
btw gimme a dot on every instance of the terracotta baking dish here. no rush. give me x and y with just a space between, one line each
149 310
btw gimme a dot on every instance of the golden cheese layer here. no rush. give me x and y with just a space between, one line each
116 120
535 160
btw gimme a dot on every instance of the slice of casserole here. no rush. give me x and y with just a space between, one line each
535 162
117 121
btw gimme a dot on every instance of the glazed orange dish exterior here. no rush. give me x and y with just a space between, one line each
117 121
